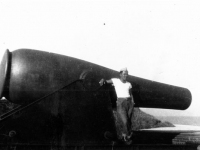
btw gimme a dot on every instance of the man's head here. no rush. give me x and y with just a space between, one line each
123 73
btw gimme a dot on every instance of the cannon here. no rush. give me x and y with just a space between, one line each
61 102
27 75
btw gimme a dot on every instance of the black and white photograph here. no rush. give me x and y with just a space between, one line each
99 74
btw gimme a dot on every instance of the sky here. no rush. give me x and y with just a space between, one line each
157 40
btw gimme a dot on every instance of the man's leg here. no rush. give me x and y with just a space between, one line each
122 116
130 109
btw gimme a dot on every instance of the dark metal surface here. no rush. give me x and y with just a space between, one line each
159 95
81 112
69 116
34 74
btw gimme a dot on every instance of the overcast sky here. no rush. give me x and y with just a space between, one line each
155 39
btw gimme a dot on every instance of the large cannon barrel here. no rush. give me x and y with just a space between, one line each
27 75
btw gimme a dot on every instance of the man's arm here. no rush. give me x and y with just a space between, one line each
103 81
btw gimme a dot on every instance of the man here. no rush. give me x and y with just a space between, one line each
125 102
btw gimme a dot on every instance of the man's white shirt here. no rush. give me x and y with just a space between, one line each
122 89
